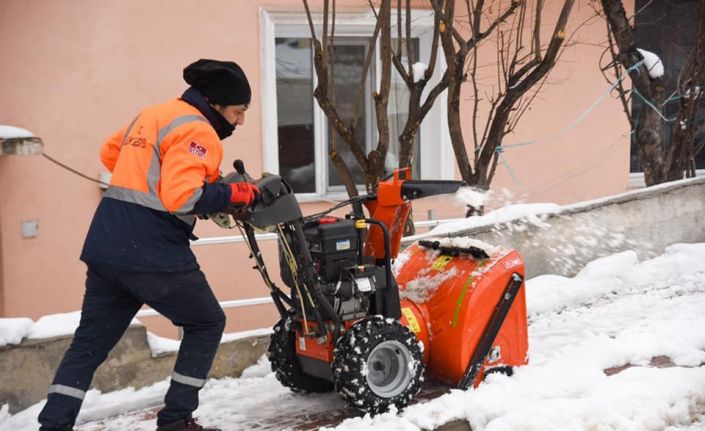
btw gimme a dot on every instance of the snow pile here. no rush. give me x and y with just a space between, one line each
645 317
553 292
161 345
652 63
55 325
626 313
10 132
419 70
12 330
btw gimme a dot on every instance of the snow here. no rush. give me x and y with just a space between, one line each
399 262
472 197
646 317
419 289
12 330
465 242
246 334
55 325
161 345
10 132
532 213
696 93
419 70
552 292
652 63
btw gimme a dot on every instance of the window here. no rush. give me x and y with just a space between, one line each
668 29
294 75
297 139
349 54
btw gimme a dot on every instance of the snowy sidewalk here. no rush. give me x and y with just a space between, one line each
621 346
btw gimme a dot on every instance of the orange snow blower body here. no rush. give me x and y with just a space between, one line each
451 318
353 322
471 322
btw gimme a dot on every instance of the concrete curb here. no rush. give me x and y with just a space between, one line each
29 367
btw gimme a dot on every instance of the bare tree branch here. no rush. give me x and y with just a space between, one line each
518 84
365 70
376 158
409 46
310 21
618 73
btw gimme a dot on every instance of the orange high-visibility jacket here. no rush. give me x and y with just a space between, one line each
162 159
164 169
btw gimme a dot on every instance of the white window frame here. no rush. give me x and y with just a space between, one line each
636 179
436 154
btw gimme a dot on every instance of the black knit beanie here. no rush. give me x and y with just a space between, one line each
221 82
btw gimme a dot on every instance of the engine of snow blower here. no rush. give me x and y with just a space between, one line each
343 325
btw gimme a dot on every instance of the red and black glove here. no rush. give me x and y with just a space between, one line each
243 193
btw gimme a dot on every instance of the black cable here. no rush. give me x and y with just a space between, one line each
354 199
73 170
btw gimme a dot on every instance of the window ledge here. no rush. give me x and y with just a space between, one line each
636 179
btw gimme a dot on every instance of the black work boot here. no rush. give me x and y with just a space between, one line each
185 425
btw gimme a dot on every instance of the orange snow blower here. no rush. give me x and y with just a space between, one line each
453 309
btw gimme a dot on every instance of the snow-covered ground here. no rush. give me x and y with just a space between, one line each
621 346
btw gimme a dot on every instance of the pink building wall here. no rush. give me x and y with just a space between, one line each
73 71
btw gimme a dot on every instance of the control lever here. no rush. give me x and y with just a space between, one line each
239 166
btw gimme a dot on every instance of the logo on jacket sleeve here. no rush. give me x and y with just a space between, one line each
198 150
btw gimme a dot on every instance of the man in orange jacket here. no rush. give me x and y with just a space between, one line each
164 166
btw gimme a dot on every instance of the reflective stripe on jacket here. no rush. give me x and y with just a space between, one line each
163 158
164 166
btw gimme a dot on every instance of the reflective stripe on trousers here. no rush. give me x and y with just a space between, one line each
186 380
68 391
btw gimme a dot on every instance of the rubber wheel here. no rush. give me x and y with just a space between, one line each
285 364
378 363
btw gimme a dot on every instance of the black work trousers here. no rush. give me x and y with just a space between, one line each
111 301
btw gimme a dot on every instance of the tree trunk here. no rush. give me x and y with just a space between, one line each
377 157
411 128
455 69
483 173
649 127
650 144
